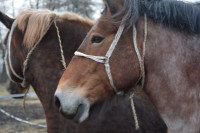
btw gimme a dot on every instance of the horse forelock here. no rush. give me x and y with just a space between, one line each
34 24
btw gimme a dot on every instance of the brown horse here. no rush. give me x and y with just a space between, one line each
44 67
167 32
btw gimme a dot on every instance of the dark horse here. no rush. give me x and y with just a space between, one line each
44 67
167 33
115 116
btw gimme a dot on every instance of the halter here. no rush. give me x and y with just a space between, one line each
25 64
105 60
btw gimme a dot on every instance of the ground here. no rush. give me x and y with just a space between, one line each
33 113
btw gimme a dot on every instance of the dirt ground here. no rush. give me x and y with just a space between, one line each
33 113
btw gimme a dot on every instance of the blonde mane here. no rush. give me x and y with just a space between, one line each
35 23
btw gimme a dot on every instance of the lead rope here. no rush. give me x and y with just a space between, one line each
142 71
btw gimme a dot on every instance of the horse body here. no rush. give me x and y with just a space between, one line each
172 79
44 65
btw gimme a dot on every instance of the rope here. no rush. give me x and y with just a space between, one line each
21 120
142 74
61 49
30 53
24 100
100 59
9 47
105 59
144 49
6 64
115 41
25 64
107 67
140 62
137 51
134 112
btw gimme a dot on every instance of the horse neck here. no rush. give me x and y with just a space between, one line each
172 61
46 68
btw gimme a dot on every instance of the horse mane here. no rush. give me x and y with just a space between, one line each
172 13
35 23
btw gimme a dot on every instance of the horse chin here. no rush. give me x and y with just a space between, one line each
81 114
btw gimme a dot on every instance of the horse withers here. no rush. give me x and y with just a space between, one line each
57 37
151 42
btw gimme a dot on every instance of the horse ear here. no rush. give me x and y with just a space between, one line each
113 6
7 21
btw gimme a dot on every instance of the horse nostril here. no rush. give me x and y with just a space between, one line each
57 101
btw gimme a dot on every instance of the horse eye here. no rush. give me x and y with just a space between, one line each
97 39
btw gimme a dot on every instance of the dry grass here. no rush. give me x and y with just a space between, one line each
34 113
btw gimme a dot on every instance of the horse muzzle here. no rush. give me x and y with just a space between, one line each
72 106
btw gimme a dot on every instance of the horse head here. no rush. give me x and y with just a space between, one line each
12 86
108 64
20 39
